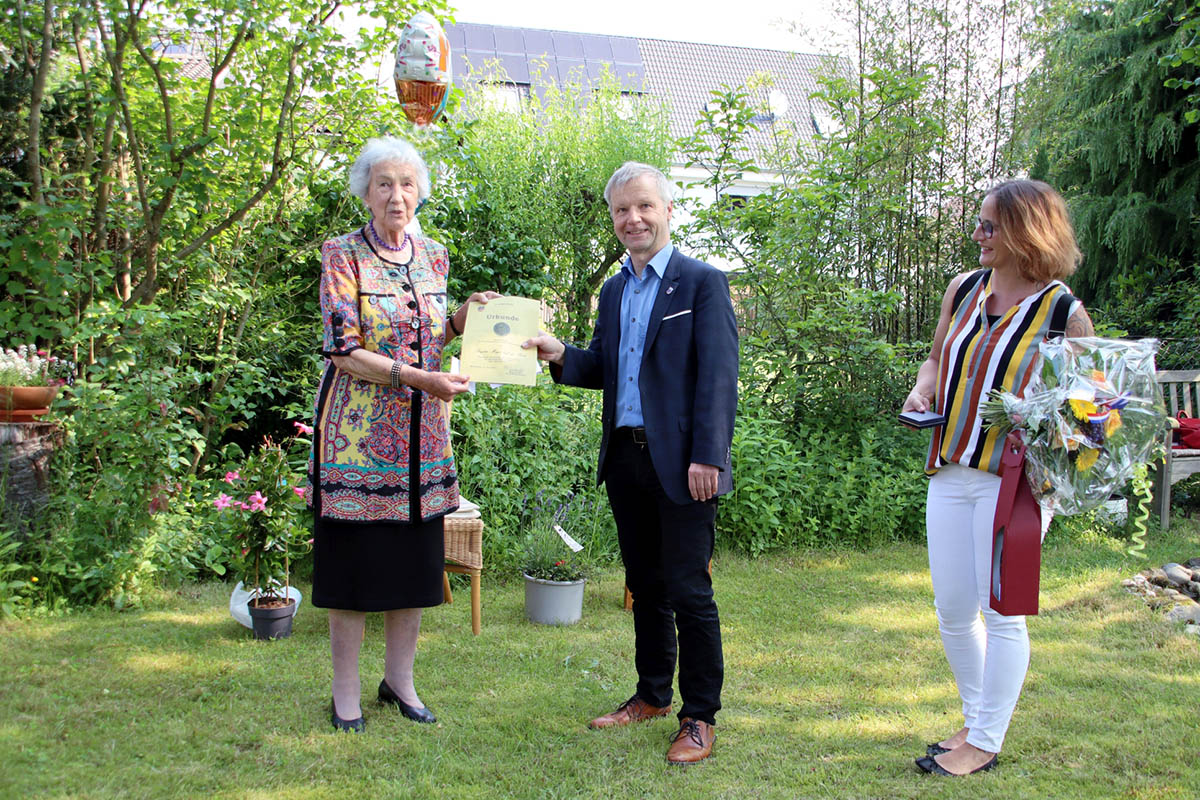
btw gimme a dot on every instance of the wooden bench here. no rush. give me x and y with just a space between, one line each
1181 392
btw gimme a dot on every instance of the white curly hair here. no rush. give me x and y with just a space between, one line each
387 148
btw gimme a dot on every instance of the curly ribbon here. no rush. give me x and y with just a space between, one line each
1139 515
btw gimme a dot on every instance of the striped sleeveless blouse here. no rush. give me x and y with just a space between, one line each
979 356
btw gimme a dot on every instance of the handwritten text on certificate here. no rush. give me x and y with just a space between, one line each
491 349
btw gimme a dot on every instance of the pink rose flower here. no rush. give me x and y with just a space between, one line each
298 490
230 477
257 502
223 502
303 428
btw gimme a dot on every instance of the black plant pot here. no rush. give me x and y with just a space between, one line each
272 623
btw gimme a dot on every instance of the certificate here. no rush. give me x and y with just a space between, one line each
491 348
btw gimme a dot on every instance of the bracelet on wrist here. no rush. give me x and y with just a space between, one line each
453 326
395 374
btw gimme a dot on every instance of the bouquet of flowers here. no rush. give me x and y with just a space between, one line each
1091 417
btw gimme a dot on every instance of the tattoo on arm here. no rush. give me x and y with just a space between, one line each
1080 324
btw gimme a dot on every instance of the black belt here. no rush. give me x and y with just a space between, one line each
636 435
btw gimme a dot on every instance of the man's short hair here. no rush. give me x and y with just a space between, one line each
632 170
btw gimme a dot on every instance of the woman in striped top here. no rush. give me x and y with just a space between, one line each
987 338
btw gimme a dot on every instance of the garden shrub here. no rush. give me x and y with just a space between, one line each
823 488
515 446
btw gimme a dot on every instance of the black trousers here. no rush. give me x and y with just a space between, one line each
666 549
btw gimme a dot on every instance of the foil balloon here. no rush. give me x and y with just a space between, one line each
422 69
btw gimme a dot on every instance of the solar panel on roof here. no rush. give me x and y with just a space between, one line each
567 44
509 40
517 67
597 47
625 49
538 42
480 37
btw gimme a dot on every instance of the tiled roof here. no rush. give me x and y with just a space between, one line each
682 73
685 74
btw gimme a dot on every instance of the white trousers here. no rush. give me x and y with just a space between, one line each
989 657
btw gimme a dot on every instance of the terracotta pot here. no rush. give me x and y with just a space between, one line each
26 397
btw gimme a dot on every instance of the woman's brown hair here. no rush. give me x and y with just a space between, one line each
1037 228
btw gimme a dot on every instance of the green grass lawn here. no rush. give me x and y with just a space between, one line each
834 682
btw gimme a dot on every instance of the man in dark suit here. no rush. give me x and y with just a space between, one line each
664 351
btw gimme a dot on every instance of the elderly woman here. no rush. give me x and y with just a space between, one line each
382 476
987 336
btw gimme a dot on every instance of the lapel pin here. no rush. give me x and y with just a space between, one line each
670 289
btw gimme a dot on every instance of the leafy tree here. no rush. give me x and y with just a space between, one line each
160 216
1111 124
523 201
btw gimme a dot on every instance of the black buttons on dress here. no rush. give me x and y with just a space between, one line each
414 345
412 303
338 342
406 287
338 319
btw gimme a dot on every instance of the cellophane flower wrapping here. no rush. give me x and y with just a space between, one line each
1091 413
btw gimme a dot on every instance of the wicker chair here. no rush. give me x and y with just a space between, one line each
464 553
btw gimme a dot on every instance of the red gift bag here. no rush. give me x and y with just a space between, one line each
1187 434
1016 536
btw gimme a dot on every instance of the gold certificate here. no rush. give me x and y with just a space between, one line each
491 348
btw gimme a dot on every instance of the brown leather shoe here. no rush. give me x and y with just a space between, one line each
692 742
635 709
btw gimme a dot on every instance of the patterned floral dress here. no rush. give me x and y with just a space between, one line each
381 472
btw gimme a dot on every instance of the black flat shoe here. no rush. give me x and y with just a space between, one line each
386 695
935 749
352 725
928 764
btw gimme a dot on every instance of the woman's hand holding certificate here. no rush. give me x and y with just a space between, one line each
491 347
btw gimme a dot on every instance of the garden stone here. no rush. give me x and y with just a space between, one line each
1177 574
1194 630
1185 614
1193 588
1156 576
1193 562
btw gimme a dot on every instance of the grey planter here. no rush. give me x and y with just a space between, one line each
553 602
272 623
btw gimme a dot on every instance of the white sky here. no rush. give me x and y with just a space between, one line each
755 23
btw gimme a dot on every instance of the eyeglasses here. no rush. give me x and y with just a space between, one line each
985 225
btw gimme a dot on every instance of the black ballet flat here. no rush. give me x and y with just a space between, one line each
935 749
351 725
386 695
928 764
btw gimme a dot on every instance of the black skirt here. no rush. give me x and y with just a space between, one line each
377 567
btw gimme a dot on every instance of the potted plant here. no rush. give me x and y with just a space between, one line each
260 517
555 571
29 380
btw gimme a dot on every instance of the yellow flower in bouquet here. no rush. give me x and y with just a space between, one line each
1086 458
1081 409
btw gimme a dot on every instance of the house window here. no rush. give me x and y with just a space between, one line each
730 200
505 96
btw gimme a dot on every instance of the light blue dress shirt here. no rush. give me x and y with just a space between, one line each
637 301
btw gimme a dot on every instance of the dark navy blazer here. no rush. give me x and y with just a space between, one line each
688 377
